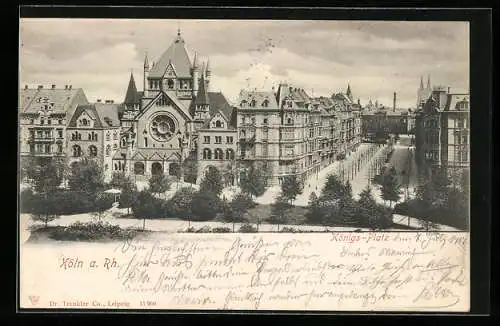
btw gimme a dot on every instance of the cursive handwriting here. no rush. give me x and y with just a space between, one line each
271 271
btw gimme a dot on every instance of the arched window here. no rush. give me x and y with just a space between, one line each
123 142
106 167
265 103
218 124
229 154
108 150
243 134
115 146
156 168
92 151
108 136
115 136
139 168
77 151
85 122
218 154
252 103
170 84
207 154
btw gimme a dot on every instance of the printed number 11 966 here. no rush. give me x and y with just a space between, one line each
147 303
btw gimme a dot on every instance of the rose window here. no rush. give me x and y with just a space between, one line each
163 127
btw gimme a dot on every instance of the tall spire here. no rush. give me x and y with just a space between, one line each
428 81
421 82
179 37
131 95
195 61
349 93
208 66
202 96
146 61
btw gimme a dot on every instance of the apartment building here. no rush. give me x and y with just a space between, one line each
94 133
44 114
442 132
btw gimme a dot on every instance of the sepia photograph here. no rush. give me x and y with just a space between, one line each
244 164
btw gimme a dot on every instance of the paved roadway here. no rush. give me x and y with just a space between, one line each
403 160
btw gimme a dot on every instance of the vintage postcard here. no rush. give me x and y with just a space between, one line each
244 165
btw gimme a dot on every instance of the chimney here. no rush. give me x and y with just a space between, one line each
25 86
53 86
394 103
448 90
70 86
40 86
99 100
65 86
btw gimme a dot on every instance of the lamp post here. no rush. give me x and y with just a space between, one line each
181 139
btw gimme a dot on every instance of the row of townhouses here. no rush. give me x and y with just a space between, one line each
178 126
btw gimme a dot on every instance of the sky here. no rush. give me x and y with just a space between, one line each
376 58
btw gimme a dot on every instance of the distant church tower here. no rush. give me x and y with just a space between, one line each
424 93
349 93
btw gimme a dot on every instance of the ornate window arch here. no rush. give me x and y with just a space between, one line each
139 168
108 150
77 151
92 151
229 154
218 154
207 154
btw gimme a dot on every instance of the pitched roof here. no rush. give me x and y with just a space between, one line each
259 97
202 96
454 99
131 97
218 102
178 56
106 114
58 100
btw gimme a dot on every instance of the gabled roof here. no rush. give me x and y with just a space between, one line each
219 103
178 56
106 114
59 101
171 95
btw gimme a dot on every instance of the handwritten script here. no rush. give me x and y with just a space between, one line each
336 271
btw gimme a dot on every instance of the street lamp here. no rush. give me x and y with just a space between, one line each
181 140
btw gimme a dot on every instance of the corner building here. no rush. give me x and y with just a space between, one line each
164 126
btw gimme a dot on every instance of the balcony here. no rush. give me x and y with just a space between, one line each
43 138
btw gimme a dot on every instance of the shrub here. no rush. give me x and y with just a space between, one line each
288 230
91 231
27 200
221 230
205 206
247 228
204 229
181 202
190 230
